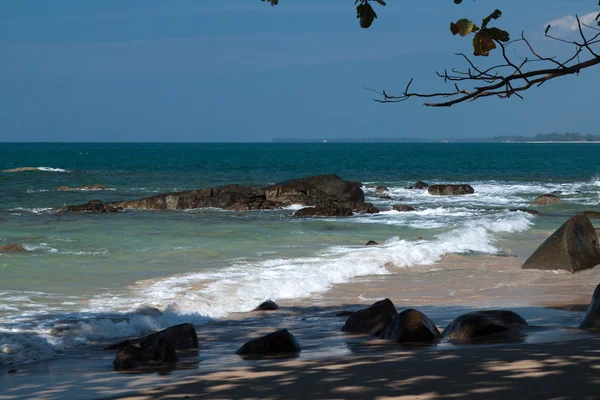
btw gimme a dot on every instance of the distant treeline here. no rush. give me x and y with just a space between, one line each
540 137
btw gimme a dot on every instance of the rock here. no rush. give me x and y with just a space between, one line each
382 191
85 187
92 206
489 324
546 200
591 320
411 326
315 189
268 305
280 342
324 211
528 211
149 311
556 192
421 185
366 208
344 313
21 169
403 208
372 243
573 247
592 214
372 320
133 357
12 371
182 336
450 190
11 247
385 197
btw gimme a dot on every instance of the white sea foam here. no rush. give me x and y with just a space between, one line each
50 169
34 210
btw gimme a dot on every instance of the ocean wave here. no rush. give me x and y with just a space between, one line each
45 169
34 210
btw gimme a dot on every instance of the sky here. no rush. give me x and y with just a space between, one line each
242 70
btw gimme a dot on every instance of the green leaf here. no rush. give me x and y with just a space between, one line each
463 27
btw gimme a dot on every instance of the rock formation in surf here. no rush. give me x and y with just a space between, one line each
450 190
546 200
372 320
573 247
411 326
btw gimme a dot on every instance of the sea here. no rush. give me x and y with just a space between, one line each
96 278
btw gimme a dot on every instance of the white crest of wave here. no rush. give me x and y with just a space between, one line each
50 169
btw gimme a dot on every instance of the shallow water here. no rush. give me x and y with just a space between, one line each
84 276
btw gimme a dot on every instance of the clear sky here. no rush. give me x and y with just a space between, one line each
241 70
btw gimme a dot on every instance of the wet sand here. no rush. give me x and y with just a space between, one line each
336 365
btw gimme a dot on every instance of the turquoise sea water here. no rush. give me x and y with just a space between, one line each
82 270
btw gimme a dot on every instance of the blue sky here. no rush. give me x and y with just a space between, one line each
241 70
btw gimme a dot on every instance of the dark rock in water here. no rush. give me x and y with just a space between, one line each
21 169
528 211
268 305
12 371
11 247
592 214
403 208
313 189
591 320
382 191
556 192
149 311
366 208
481 325
132 357
280 342
372 243
182 336
573 247
418 185
372 320
411 326
546 200
331 211
92 206
450 190
386 197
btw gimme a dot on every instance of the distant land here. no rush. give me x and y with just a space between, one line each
567 137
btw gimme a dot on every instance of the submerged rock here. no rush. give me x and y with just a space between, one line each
153 354
573 247
382 191
546 200
366 208
181 337
279 342
403 208
268 305
85 187
372 320
315 189
372 243
418 185
11 247
324 211
591 320
411 326
450 190
528 211
21 169
92 206
481 325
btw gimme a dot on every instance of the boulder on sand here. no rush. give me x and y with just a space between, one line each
573 247
411 326
11 247
280 342
546 200
483 325
268 305
450 190
591 320
372 320
181 337
154 354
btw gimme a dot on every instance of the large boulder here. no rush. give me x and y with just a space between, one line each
11 247
372 320
546 200
280 342
153 354
366 208
411 326
592 214
382 191
591 320
181 337
450 190
92 206
485 325
418 185
325 211
402 208
573 247
315 189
